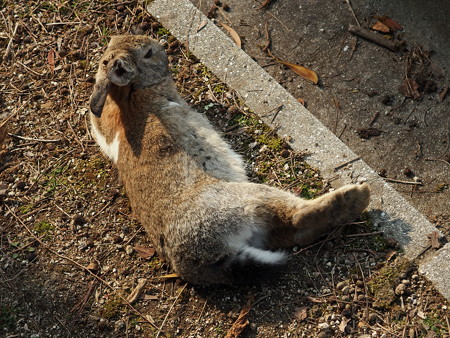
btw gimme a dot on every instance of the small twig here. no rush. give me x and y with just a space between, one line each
9 46
29 69
374 118
343 130
137 292
170 309
24 246
366 234
285 27
267 44
265 4
338 113
34 139
346 163
80 305
402 182
353 12
64 23
280 108
374 37
77 139
437 159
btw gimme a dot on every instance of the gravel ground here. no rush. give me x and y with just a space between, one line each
72 253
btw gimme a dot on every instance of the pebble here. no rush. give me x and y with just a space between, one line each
340 285
323 326
129 249
118 325
400 289
372 318
102 324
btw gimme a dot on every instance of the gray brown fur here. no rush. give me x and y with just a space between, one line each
185 184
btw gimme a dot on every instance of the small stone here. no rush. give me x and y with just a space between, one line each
372 318
116 239
129 249
78 219
31 256
407 172
346 313
400 289
119 325
145 26
323 326
21 185
340 285
387 100
346 290
102 324
233 110
285 153
3 192
361 298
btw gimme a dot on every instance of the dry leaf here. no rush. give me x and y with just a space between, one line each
202 25
51 60
304 72
4 128
233 34
171 275
149 297
410 89
390 254
93 266
144 251
240 324
434 238
301 313
301 101
343 324
443 93
3 132
380 27
315 300
367 133
393 25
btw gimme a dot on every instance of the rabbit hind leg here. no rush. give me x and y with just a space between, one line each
299 222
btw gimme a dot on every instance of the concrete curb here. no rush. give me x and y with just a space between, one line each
262 94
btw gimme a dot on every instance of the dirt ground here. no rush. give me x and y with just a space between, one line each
403 135
72 253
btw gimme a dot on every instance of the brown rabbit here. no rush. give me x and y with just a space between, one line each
185 184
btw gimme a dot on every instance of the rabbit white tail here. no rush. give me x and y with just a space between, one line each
261 256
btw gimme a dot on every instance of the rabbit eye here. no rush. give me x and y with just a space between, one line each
149 54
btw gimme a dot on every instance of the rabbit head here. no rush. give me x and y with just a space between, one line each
135 61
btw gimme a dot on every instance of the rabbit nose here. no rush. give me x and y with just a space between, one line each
119 67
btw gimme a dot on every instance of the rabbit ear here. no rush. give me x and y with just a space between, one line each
99 94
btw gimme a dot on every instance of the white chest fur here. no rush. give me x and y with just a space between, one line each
110 149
